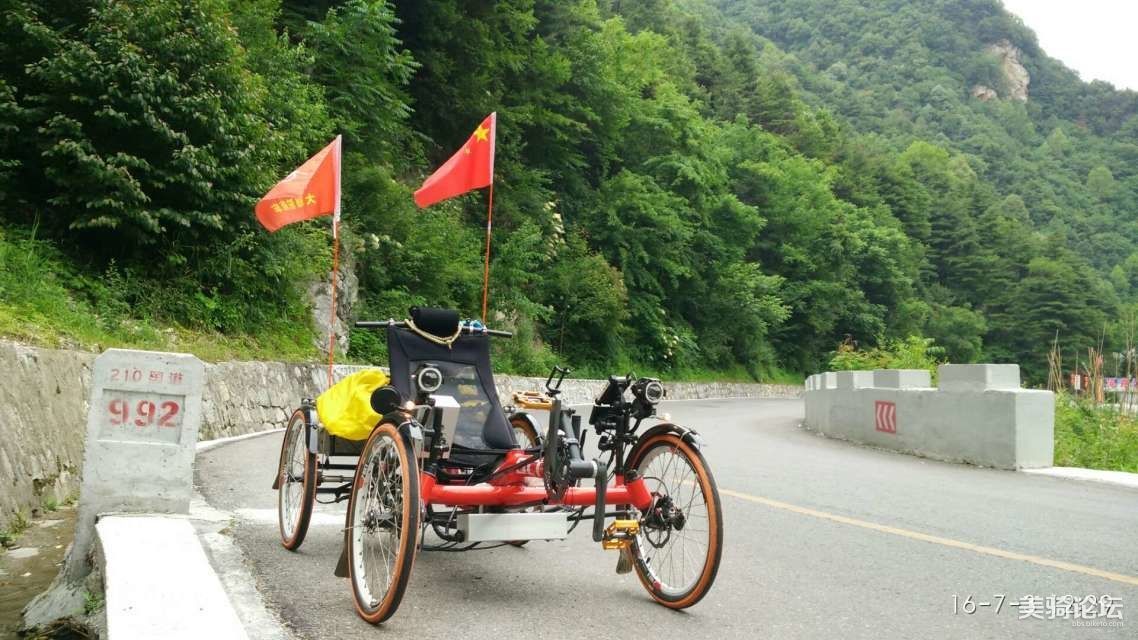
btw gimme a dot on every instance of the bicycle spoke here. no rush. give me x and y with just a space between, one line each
377 520
673 552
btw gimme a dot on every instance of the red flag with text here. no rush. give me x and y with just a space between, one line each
471 167
311 191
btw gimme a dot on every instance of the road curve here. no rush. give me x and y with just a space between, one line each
823 539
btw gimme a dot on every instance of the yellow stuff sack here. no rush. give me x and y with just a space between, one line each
345 408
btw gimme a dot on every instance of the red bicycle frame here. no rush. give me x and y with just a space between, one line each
509 490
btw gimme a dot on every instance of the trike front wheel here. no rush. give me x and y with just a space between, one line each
676 553
383 523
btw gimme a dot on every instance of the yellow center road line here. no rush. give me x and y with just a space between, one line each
946 542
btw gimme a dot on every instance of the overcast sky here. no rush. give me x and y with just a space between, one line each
1097 38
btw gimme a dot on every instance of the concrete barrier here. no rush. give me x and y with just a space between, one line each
978 414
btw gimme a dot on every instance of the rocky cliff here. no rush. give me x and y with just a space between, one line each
1016 78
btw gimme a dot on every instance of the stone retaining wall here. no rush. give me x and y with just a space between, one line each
43 419
43 411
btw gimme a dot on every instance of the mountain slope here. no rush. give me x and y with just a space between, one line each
906 70
1060 154
686 186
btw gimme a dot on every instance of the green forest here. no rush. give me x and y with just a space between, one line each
726 188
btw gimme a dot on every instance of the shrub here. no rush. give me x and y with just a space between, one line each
1094 436
913 352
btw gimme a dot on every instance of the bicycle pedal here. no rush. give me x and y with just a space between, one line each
620 534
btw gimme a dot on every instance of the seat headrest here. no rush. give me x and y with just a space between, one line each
437 322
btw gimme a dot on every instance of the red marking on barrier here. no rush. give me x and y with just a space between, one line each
886 413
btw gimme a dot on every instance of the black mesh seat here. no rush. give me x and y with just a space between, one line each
465 364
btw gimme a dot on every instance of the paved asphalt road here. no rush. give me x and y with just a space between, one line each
823 539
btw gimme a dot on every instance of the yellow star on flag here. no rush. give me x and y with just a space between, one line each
481 133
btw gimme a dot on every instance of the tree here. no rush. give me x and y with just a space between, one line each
364 71
588 302
718 184
147 125
142 134
1100 182
959 331
1058 297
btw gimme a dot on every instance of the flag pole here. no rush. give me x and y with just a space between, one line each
335 275
486 267
335 265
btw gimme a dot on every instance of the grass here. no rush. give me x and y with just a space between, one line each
92 602
20 521
19 524
1094 436
46 302
736 373
913 352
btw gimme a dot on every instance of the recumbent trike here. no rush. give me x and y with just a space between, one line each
445 456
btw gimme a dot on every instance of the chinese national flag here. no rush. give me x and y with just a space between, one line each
471 167
312 190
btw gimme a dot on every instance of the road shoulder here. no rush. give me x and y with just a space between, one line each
1116 478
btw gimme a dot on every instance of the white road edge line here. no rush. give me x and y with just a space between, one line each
206 445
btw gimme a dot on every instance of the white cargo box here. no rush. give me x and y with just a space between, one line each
503 527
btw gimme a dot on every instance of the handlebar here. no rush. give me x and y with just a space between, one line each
559 373
378 324
466 328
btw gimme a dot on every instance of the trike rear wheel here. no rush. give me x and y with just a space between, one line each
677 552
383 523
524 433
296 483
527 438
